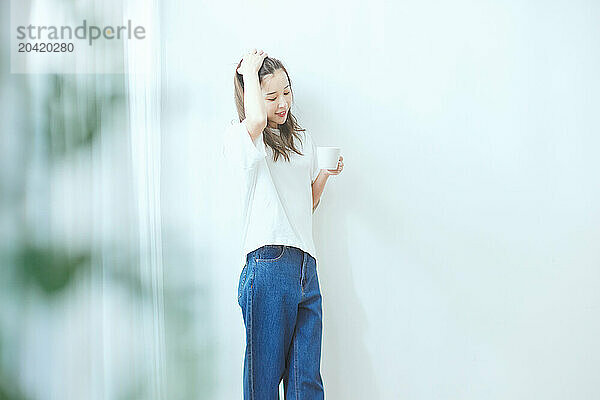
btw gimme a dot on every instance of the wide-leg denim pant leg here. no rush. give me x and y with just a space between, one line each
281 305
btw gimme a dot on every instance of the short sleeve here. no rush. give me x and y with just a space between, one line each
239 149
314 162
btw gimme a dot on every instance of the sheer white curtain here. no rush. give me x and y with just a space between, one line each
143 63
82 308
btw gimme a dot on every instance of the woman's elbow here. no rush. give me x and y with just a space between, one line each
256 125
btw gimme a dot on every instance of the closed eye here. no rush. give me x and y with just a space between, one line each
285 94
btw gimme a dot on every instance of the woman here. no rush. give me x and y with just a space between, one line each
278 290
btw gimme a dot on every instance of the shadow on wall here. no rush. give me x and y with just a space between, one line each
347 364
344 318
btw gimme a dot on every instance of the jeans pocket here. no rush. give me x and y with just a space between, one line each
270 252
243 276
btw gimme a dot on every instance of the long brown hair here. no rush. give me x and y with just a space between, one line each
281 144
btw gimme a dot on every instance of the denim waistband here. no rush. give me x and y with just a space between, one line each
270 248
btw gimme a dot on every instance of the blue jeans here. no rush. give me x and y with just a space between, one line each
280 300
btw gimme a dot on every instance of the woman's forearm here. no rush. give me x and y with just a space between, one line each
254 104
317 188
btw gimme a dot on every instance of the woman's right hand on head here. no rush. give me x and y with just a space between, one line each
251 62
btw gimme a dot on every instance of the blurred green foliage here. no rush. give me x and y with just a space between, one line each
49 269
74 109
71 120
8 390
75 106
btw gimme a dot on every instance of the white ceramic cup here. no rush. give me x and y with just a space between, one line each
328 157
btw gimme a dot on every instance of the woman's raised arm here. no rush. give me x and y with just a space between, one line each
254 104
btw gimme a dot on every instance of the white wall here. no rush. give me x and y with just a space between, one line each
459 247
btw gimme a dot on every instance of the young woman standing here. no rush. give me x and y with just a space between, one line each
278 289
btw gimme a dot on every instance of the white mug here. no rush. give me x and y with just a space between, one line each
328 157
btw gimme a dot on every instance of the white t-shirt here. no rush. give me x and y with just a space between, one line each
276 197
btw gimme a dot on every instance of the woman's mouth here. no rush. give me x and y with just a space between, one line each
282 114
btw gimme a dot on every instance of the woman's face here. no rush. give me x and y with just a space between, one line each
278 97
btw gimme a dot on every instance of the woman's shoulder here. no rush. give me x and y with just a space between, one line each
305 135
307 138
306 141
